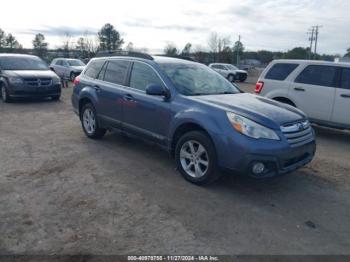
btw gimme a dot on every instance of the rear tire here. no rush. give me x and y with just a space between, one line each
89 122
4 94
231 78
196 159
72 76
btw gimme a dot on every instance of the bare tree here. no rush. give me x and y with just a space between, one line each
67 44
170 49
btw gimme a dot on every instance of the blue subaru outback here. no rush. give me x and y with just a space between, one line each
203 120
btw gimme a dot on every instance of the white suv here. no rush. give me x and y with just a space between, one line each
229 71
320 89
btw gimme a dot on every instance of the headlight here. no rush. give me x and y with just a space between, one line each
15 80
250 128
56 80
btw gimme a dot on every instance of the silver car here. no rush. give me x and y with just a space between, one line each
67 68
230 72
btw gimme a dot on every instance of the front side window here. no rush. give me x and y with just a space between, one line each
232 67
318 75
22 63
345 78
280 71
143 75
197 79
116 71
94 68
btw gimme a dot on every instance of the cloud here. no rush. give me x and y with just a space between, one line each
148 24
60 31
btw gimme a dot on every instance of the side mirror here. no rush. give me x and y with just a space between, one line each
157 90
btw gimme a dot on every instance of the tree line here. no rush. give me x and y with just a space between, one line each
218 48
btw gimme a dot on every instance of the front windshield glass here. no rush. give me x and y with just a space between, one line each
196 79
75 63
232 67
22 63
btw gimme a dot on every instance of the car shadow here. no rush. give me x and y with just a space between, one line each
338 135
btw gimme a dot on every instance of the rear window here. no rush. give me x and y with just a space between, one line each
116 72
94 68
318 75
280 71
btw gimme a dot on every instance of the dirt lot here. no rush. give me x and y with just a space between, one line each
61 193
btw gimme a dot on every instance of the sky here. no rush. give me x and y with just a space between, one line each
276 25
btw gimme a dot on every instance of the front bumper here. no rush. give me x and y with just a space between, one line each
279 162
43 91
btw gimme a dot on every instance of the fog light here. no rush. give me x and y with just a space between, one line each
258 168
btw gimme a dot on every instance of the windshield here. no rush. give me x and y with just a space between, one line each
232 67
22 63
75 63
197 79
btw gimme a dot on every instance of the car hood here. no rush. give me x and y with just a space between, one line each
259 109
30 73
78 68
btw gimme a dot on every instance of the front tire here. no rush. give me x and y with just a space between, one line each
4 95
89 122
196 159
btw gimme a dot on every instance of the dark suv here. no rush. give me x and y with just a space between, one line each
27 76
202 119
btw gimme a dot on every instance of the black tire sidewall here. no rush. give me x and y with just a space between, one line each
231 76
7 99
212 173
72 76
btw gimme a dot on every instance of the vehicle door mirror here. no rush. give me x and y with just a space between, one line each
156 90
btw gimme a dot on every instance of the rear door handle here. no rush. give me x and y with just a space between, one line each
345 95
129 97
299 89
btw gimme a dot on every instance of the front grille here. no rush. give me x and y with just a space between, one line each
298 134
38 82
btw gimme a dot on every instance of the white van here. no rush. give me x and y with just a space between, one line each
320 89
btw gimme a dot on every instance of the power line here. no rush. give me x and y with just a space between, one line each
314 31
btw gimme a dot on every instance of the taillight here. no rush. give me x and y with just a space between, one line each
76 80
259 86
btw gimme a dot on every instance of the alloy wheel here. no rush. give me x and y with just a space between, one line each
89 121
194 159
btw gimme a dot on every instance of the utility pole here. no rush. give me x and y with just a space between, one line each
311 39
317 27
239 45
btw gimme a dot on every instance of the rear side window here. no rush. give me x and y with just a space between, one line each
345 78
94 68
142 75
116 72
318 75
280 71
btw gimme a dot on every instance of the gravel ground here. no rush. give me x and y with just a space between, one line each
61 193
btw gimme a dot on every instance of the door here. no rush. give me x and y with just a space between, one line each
145 115
313 91
59 68
220 69
341 112
111 89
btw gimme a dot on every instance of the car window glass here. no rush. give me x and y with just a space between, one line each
214 66
94 68
280 71
345 79
116 71
102 72
318 75
143 75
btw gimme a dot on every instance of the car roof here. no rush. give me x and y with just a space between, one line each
310 62
17 55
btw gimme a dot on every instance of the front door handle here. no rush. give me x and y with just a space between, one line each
129 97
345 95
299 89
97 88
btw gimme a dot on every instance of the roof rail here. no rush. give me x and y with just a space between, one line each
180 57
123 53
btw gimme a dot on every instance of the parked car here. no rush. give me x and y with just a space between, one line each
320 89
27 76
230 72
67 68
202 119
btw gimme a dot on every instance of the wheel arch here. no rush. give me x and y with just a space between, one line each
183 129
285 100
